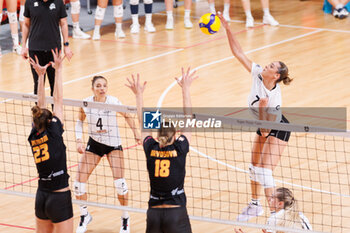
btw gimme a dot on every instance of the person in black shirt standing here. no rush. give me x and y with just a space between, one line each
166 163
42 19
53 202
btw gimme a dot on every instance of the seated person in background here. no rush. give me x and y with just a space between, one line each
339 8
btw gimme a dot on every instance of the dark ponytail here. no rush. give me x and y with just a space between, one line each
41 117
284 75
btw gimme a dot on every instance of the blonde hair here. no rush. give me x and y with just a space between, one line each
290 217
166 134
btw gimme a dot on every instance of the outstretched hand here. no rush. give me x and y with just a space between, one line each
57 59
40 70
223 20
187 78
135 85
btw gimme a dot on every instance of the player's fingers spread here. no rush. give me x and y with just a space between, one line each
195 77
36 59
188 71
193 73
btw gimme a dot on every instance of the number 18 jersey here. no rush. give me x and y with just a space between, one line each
103 125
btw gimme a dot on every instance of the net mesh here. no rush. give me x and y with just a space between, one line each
315 167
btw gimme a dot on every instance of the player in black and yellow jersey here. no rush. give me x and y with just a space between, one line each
166 163
53 202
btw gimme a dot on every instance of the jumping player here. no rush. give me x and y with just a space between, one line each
166 163
104 139
53 202
264 101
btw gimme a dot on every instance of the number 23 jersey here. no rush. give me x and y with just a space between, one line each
103 125
49 154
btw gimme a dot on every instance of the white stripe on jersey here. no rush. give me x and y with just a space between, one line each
103 125
259 91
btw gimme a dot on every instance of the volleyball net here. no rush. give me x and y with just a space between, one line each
314 165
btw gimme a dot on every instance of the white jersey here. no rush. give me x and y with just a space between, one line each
259 91
280 217
103 125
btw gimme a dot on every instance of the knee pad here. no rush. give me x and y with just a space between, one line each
100 13
134 2
12 17
75 7
121 186
118 11
79 188
147 1
253 173
265 178
21 13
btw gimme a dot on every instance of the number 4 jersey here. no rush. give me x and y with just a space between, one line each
49 154
103 125
167 168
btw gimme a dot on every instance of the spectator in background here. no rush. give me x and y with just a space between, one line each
169 12
100 14
11 6
75 11
134 8
267 19
225 13
339 8
42 21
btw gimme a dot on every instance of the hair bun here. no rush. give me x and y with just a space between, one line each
36 111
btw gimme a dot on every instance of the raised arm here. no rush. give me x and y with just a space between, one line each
138 89
185 83
58 88
40 70
235 46
132 125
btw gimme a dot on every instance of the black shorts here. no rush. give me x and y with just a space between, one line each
169 220
54 206
282 135
99 148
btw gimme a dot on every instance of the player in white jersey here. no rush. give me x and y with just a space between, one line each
104 140
264 102
285 212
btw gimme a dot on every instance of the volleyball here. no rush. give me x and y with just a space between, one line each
209 24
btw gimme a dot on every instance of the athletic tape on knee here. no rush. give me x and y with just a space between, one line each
134 2
147 1
79 188
265 178
121 186
253 173
100 13
75 7
118 11
12 17
21 13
